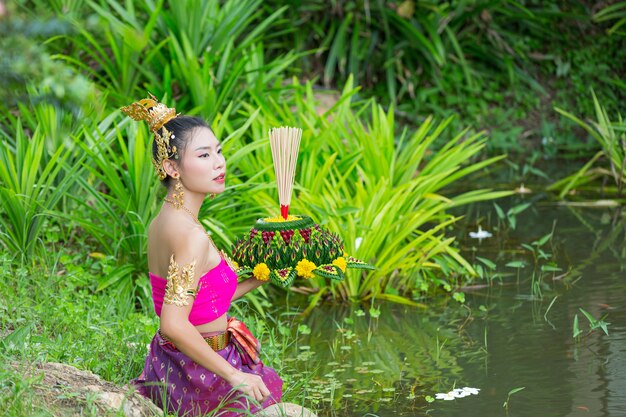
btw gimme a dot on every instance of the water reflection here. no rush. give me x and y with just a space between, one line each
501 340
371 364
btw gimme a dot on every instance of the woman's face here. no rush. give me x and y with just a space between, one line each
203 167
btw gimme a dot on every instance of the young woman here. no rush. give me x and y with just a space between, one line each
199 360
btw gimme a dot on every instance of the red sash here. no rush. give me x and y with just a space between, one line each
248 345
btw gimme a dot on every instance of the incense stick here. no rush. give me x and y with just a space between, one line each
285 143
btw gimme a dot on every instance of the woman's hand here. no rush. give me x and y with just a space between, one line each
251 385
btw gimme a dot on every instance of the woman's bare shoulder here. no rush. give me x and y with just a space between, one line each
176 236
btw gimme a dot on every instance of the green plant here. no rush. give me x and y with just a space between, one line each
360 180
203 54
611 136
486 270
410 44
121 193
611 12
510 218
116 60
31 74
31 185
593 324
216 53
508 398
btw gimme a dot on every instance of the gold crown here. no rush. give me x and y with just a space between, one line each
156 114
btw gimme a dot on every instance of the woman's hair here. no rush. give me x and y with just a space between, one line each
181 129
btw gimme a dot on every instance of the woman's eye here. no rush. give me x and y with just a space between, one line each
219 150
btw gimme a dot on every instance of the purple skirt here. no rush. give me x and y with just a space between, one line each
179 385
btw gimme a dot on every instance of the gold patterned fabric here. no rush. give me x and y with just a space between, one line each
215 342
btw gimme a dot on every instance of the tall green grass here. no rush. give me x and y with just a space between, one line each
405 46
359 179
31 185
204 55
119 198
359 174
613 12
611 137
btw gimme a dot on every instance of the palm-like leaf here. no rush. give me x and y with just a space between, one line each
31 184
121 195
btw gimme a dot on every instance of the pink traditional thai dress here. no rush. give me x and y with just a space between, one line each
178 384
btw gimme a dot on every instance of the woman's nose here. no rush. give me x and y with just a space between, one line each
220 162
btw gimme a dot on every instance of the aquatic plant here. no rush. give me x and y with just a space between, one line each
505 405
594 324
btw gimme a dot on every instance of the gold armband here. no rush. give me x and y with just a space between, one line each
180 284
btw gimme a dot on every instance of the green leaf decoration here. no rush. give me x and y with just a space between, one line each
329 271
282 245
243 270
302 222
283 277
352 262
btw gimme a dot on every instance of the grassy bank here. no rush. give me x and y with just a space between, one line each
52 311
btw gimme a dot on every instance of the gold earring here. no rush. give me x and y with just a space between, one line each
212 196
179 195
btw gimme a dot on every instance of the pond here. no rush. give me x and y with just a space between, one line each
512 338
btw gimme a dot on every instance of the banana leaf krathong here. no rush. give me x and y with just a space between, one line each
281 249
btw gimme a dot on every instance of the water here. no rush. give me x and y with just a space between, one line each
517 332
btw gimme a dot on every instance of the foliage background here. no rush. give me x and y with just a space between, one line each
400 101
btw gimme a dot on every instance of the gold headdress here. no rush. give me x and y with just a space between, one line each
156 114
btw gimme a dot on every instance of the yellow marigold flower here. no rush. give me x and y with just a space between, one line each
305 268
261 272
341 263
235 264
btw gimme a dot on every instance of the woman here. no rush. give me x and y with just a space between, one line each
199 360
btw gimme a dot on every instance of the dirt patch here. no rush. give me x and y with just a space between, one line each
72 392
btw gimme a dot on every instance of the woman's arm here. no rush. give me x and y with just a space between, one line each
175 325
246 286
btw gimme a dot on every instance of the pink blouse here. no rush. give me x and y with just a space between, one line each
215 292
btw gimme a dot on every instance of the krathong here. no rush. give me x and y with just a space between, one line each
284 247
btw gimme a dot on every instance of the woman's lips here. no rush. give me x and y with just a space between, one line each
220 178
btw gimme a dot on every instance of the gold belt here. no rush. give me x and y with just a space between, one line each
217 342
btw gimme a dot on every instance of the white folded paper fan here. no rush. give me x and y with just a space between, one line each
285 144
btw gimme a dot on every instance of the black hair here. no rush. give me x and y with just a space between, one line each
181 128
